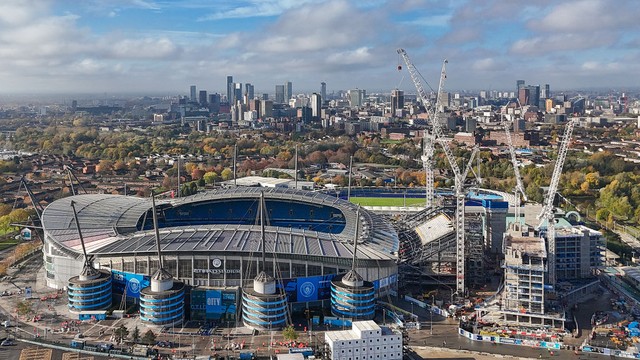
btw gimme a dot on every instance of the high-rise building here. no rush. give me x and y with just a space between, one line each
316 105
288 90
248 87
266 108
356 97
237 92
523 96
397 101
230 89
202 97
265 96
323 91
193 97
214 103
519 85
280 94
545 92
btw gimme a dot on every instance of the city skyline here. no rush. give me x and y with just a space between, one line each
59 46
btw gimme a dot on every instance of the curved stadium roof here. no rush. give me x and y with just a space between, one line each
111 225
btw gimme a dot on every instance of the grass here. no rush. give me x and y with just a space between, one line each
8 243
387 201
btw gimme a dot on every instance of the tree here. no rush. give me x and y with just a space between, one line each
227 174
210 177
149 337
121 333
24 307
289 333
135 336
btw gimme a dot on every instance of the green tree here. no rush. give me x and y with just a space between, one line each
121 333
227 174
210 177
289 333
149 337
135 335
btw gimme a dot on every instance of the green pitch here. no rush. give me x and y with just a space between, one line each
379 201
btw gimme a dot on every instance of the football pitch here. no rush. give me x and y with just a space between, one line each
387 201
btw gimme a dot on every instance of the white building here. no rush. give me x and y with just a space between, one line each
365 341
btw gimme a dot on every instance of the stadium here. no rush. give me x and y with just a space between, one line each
212 243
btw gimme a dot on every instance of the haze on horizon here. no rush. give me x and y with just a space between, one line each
162 46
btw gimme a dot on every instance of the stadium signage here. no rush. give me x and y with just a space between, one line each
216 271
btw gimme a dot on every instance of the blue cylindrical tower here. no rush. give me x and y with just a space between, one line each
89 291
263 308
162 303
352 297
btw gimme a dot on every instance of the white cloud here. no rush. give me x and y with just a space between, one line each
256 8
488 64
562 42
147 48
357 56
588 16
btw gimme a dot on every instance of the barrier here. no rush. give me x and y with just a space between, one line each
511 341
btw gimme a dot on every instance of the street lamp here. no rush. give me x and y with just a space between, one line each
431 316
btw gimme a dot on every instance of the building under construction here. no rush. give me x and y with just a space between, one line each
428 240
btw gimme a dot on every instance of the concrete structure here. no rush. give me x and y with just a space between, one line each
365 341
523 296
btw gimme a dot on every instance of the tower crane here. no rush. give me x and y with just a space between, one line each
459 177
429 138
547 208
516 169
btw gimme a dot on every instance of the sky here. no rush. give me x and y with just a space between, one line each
164 46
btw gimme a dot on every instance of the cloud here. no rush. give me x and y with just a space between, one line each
143 49
588 15
561 42
488 64
256 8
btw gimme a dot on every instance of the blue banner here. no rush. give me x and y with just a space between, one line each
132 282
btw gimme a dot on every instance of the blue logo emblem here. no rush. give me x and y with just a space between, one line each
134 286
307 289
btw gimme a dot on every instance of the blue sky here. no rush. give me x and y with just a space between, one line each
151 46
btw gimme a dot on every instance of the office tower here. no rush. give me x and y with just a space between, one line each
523 96
266 108
288 91
546 92
280 94
202 97
323 91
519 85
254 105
248 87
356 97
316 105
214 103
397 101
265 96
237 92
193 93
230 89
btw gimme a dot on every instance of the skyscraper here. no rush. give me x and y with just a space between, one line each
323 91
230 89
202 97
193 94
397 101
356 97
519 85
237 92
316 105
249 91
280 94
288 90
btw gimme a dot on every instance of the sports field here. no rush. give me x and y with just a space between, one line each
387 201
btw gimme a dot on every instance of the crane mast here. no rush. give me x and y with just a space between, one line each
547 208
459 177
516 170
429 138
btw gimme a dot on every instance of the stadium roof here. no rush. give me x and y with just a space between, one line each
109 225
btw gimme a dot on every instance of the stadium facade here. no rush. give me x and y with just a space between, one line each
210 241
